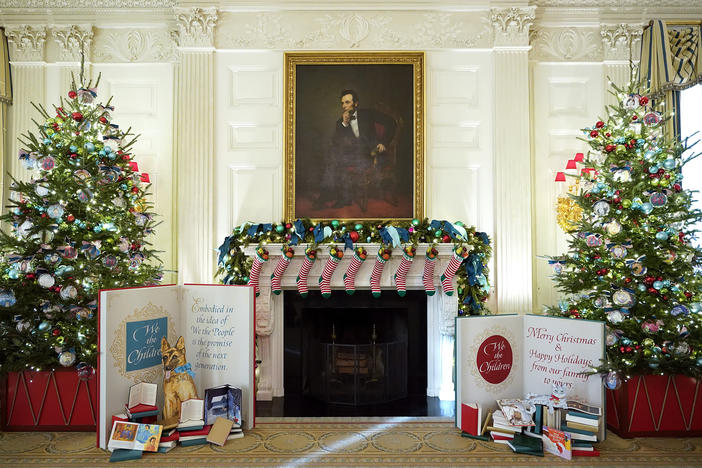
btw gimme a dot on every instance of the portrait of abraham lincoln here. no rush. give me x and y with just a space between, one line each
353 145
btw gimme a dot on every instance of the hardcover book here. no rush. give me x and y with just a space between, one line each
509 356
223 401
216 321
557 442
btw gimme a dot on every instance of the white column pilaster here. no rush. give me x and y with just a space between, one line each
621 44
194 144
27 54
513 207
70 39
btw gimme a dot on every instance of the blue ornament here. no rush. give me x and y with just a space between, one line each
626 342
647 208
679 310
613 380
43 326
111 156
649 155
640 142
653 363
13 274
89 147
695 307
97 228
123 186
73 148
662 235
46 141
7 298
699 362
102 153
669 164
653 169
658 285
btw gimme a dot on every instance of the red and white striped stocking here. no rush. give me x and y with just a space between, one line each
335 256
459 254
259 259
307 262
428 275
382 257
359 256
280 267
401 273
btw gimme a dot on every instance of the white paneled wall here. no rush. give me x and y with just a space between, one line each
248 138
142 95
459 162
566 98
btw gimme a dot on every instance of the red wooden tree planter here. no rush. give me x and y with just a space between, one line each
55 400
656 406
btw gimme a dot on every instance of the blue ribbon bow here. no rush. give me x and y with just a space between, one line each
184 369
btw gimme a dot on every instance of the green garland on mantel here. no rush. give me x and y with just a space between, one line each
472 283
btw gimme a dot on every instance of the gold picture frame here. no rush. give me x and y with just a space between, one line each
354 135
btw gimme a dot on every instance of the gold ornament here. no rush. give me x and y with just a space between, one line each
568 211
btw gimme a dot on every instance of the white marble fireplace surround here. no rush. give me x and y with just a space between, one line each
441 310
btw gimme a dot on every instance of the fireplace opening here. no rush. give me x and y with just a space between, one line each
355 356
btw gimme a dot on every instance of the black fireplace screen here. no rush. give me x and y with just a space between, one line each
359 374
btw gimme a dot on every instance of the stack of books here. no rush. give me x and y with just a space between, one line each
169 439
501 431
584 429
141 406
191 418
196 437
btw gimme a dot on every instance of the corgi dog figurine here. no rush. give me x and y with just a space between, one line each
178 384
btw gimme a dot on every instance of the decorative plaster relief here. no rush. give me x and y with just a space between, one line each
353 30
511 25
566 44
637 4
70 38
26 42
134 45
196 26
621 41
87 3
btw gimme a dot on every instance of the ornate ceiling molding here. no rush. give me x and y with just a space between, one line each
621 41
360 30
87 3
26 42
196 26
566 45
511 25
70 39
134 45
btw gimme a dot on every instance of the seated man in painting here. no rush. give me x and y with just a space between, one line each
358 155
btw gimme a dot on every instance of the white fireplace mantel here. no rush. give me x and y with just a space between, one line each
441 309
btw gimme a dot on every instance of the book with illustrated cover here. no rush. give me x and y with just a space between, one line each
217 324
557 442
134 436
510 356
223 401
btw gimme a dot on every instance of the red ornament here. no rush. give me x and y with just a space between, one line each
652 290
73 156
103 119
311 229
681 236
587 195
621 349
661 171
596 257
632 142
446 238
665 298
608 134
610 148
643 100
627 280
634 117
77 116
125 157
31 276
72 94
56 332
628 349
43 215
594 134
688 294
677 187
599 124
288 225
354 236
135 189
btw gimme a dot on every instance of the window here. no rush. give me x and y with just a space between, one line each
690 123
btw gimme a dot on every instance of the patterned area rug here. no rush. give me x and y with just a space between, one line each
376 442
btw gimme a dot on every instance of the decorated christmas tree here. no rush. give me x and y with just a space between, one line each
79 225
630 262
